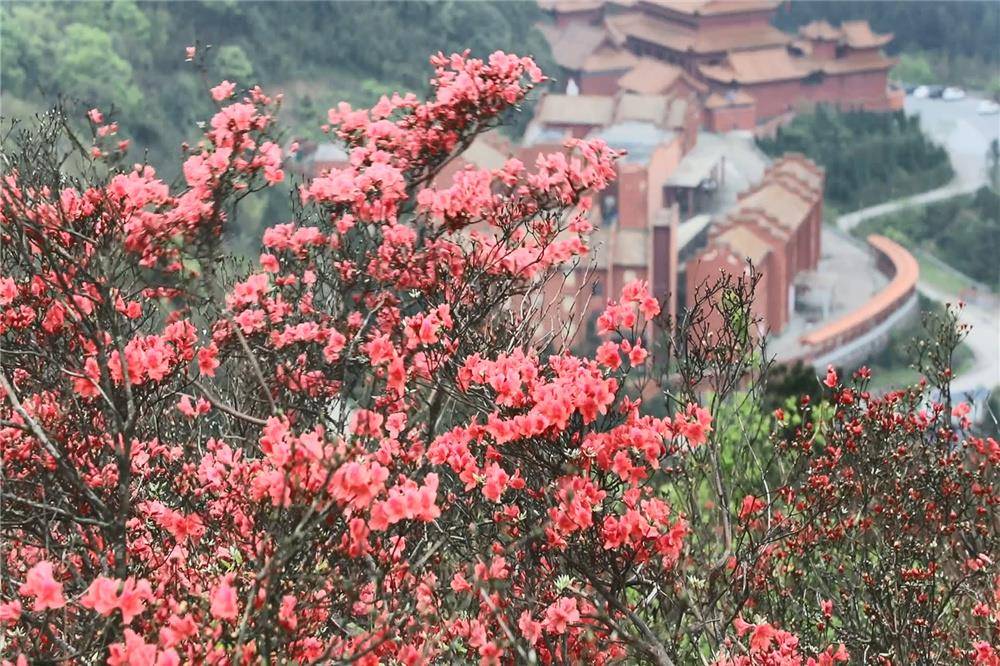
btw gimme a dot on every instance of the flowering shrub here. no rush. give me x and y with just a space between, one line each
356 450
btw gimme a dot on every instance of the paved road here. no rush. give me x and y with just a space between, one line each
966 135
984 318
959 128
954 188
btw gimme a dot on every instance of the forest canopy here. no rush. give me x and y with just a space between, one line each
954 28
869 157
131 53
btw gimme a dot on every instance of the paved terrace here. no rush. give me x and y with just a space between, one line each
966 135
846 278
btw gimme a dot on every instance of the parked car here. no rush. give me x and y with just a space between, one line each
908 88
935 92
952 94
920 92
987 107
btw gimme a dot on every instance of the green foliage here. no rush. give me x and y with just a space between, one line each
232 63
991 423
87 67
132 53
893 366
914 68
963 232
869 157
993 163
993 88
790 380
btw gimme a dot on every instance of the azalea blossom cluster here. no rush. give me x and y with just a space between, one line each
891 474
320 459
766 644
357 449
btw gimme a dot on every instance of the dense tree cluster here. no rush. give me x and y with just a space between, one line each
125 52
869 157
363 447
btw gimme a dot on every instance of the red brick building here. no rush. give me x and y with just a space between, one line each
753 70
635 233
776 226
729 111
581 115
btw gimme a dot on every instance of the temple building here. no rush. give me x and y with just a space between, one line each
775 226
635 228
743 69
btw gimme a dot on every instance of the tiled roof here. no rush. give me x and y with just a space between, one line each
784 205
644 108
696 166
802 45
640 139
774 64
858 62
859 35
744 243
788 191
609 59
691 228
738 38
820 30
651 76
565 6
801 169
714 7
677 37
855 34
597 110
772 212
650 29
571 45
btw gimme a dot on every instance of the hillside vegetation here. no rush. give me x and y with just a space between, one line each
963 232
869 157
131 53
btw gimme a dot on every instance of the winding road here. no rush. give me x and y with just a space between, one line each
964 136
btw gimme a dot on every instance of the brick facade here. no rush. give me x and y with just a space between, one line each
776 226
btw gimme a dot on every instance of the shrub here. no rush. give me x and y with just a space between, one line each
358 450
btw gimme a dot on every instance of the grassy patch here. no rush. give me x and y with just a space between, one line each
962 232
893 377
892 367
942 279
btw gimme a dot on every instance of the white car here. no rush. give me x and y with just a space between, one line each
952 94
920 92
987 107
